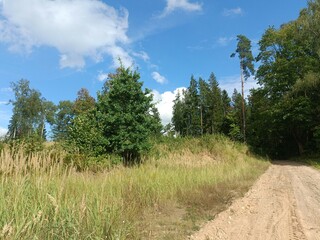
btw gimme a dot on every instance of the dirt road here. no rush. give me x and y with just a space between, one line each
283 204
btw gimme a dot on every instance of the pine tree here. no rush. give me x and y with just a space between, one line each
216 107
193 110
156 127
178 119
225 99
204 96
246 69
234 117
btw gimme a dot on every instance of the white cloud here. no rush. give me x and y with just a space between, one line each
3 102
78 29
224 41
3 131
232 12
142 55
184 5
158 78
72 61
164 103
102 76
234 82
119 54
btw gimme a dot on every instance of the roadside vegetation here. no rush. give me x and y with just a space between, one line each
181 183
312 160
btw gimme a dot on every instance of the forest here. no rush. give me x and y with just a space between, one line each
280 118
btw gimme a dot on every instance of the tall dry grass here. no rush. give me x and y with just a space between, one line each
182 181
15 161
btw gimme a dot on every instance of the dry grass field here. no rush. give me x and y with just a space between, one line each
181 184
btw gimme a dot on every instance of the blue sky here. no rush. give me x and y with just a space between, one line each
64 45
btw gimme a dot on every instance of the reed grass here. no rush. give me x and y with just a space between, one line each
181 181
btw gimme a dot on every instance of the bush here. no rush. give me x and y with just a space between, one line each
32 144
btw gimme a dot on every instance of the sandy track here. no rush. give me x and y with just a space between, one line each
283 204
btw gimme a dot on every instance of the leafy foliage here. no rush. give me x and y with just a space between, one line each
30 113
84 102
85 135
125 111
286 105
62 120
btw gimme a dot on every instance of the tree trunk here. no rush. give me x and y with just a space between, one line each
299 143
212 124
301 148
243 105
42 130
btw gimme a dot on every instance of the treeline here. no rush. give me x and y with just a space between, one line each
204 108
121 120
282 116
285 117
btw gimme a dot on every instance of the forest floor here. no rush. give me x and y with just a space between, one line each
283 204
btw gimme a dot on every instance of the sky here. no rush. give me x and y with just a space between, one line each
61 46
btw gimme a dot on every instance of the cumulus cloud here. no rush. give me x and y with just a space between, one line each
234 82
164 103
158 78
78 29
232 12
184 5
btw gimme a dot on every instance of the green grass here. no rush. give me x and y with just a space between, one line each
316 165
313 161
182 183
310 159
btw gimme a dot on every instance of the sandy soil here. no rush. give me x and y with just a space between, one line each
283 204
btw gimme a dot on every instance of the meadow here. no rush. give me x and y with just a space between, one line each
181 184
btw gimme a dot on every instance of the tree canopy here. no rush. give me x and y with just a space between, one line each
30 112
286 104
125 111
